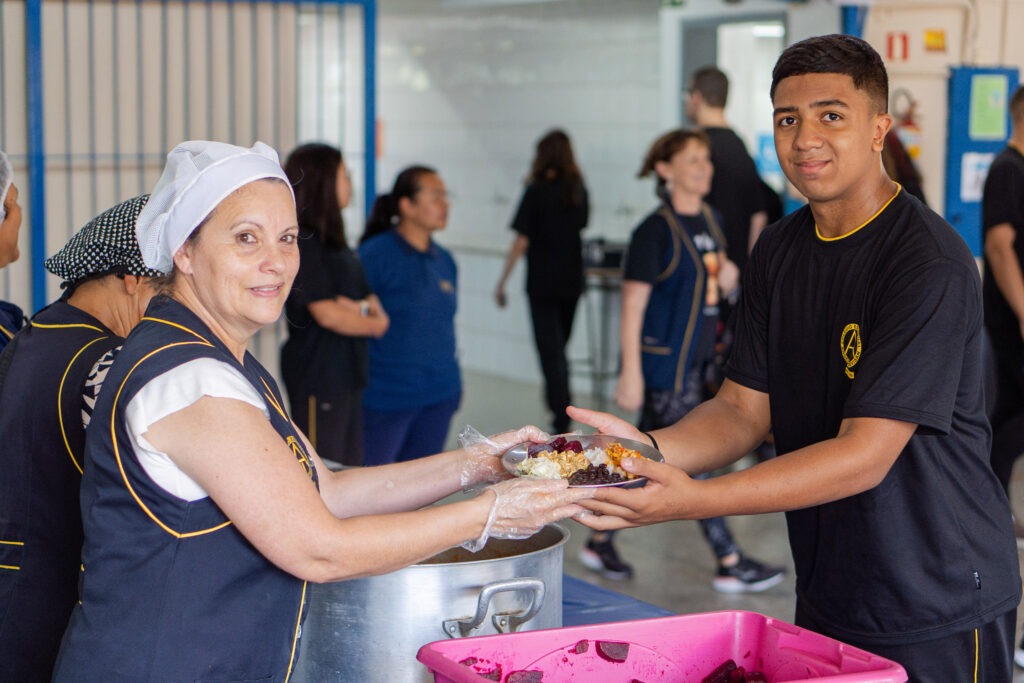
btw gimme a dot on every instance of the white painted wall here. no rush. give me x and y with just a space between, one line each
470 89
978 33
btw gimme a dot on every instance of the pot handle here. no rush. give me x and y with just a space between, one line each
505 623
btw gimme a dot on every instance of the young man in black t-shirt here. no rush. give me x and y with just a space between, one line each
1002 212
859 345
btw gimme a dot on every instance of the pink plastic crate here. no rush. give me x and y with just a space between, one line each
678 649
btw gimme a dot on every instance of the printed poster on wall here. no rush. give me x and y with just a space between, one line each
987 118
973 169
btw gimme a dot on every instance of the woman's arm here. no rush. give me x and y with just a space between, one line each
1006 269
629 391
518 247
229 448
728 275
364 318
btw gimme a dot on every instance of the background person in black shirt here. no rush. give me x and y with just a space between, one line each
1002 207
552 212
736 187
331 311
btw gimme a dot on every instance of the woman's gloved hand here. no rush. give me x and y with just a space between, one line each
522 507
480 462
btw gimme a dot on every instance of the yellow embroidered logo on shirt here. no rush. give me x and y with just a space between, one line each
300 455
850 346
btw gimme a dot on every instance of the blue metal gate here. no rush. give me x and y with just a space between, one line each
95 92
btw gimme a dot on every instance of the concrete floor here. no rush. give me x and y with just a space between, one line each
673 566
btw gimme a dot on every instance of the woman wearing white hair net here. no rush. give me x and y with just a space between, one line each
205 510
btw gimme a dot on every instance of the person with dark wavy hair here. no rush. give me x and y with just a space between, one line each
331 311
553 210
859 347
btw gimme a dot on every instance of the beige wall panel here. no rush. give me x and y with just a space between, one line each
990 43
1013 50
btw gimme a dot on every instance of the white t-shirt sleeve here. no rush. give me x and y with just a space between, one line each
170 392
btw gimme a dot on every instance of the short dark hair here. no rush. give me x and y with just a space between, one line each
1017 106
836 54
712 84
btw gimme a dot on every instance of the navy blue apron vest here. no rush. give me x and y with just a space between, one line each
171 591
11 320
673 317
41 464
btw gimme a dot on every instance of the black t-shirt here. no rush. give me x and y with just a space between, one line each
884 322
314 360
1003 202
554 260
735 190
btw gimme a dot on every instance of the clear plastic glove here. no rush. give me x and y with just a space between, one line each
522 507
481 455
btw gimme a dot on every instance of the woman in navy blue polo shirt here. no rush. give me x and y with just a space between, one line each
415 385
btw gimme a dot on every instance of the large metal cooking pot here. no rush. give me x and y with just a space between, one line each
370 629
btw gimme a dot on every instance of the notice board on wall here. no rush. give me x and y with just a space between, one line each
977 131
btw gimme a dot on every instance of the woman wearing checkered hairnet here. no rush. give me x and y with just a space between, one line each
49 377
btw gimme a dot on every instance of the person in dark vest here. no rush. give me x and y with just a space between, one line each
49 376
676 275
205 510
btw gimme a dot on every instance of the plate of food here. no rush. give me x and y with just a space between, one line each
590 460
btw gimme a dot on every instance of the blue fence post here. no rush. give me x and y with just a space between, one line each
36 147
370 100
369 94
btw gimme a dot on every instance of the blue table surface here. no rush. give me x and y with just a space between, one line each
586 603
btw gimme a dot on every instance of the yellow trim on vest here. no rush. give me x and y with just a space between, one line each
269 395
117 451
295 633
12 567
60 403
977 654
679 234
7 333
61 326
311 422
180 327
884 206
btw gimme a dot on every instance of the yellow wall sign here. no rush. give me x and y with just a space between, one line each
935 40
